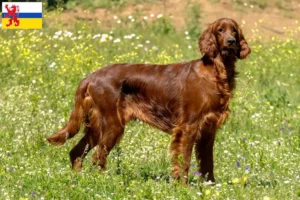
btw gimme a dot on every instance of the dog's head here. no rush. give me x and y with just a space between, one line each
224 37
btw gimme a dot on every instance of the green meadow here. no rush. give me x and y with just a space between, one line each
257 151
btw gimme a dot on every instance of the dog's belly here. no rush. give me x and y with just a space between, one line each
159 111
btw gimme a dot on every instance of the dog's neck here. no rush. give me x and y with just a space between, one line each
225 66
229 64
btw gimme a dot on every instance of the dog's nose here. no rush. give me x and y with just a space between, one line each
231 41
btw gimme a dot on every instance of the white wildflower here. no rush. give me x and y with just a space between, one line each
159 16
96 36
208 183
68 34
52 64
117 40
154 48
58 33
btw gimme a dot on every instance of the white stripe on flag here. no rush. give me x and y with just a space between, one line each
25 7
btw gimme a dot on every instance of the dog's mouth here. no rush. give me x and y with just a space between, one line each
226 51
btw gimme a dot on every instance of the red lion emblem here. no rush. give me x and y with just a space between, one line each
12 14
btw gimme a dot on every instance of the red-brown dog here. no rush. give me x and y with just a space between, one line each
187 100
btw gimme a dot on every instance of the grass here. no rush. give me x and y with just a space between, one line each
281 4
284 5
106 3
256 151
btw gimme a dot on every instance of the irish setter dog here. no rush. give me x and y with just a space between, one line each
188 100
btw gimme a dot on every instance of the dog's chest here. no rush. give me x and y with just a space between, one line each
206 93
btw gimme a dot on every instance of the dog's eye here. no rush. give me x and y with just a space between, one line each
234 30
220 30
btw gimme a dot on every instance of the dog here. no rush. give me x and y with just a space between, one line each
188 100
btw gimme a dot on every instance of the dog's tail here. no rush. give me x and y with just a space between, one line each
76 118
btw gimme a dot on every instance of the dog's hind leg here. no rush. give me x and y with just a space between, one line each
92 134
111 136
79 152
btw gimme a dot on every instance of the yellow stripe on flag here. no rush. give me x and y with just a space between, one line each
25 23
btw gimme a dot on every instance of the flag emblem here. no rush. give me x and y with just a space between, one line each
22 15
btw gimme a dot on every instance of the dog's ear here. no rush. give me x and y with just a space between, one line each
208 43
244 49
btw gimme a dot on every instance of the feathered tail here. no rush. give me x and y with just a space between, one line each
75 121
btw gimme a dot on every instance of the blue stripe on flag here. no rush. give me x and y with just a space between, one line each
26 15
